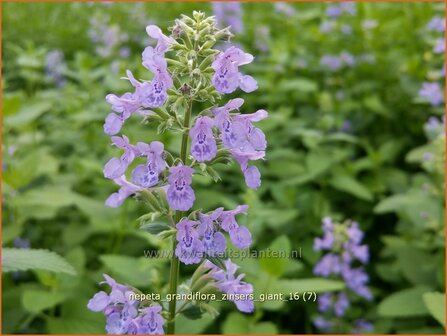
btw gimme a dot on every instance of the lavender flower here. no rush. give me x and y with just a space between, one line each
203 146
338 9
180 194
126 189
189 248
198 239
55 67
284 8
432 93
125 315
244 141
332 62
437 24
227 77
327 26
439 47
229 14
124 107
147 175
362 326
228 283
115 167
342 242
105 36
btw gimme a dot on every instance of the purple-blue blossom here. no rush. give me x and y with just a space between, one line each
437 24
55 67
198 239
439 47
117 167
203 145
227 77
344 258
146 175
124 315
228 283
229 13
180 194
190 249
245 142
126 189
284 8
432 93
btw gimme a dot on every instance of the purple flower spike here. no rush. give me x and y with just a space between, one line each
127 189
203 146
189 249
180 194
227 77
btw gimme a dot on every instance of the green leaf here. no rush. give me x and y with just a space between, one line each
274 263
134 271
316 285
36 301
25 259
192 312
435 303
405 303
264 328
216 260
347 183
155 227
28 113
299 85
187 326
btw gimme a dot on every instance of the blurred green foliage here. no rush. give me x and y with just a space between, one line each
346 144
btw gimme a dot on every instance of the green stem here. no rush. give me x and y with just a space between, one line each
174 272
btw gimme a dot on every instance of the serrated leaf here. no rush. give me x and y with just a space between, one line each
26 259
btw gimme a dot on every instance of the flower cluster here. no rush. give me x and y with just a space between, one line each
343 244
336 62
125 315
339 9
107 37
229 14
201 238
218 134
